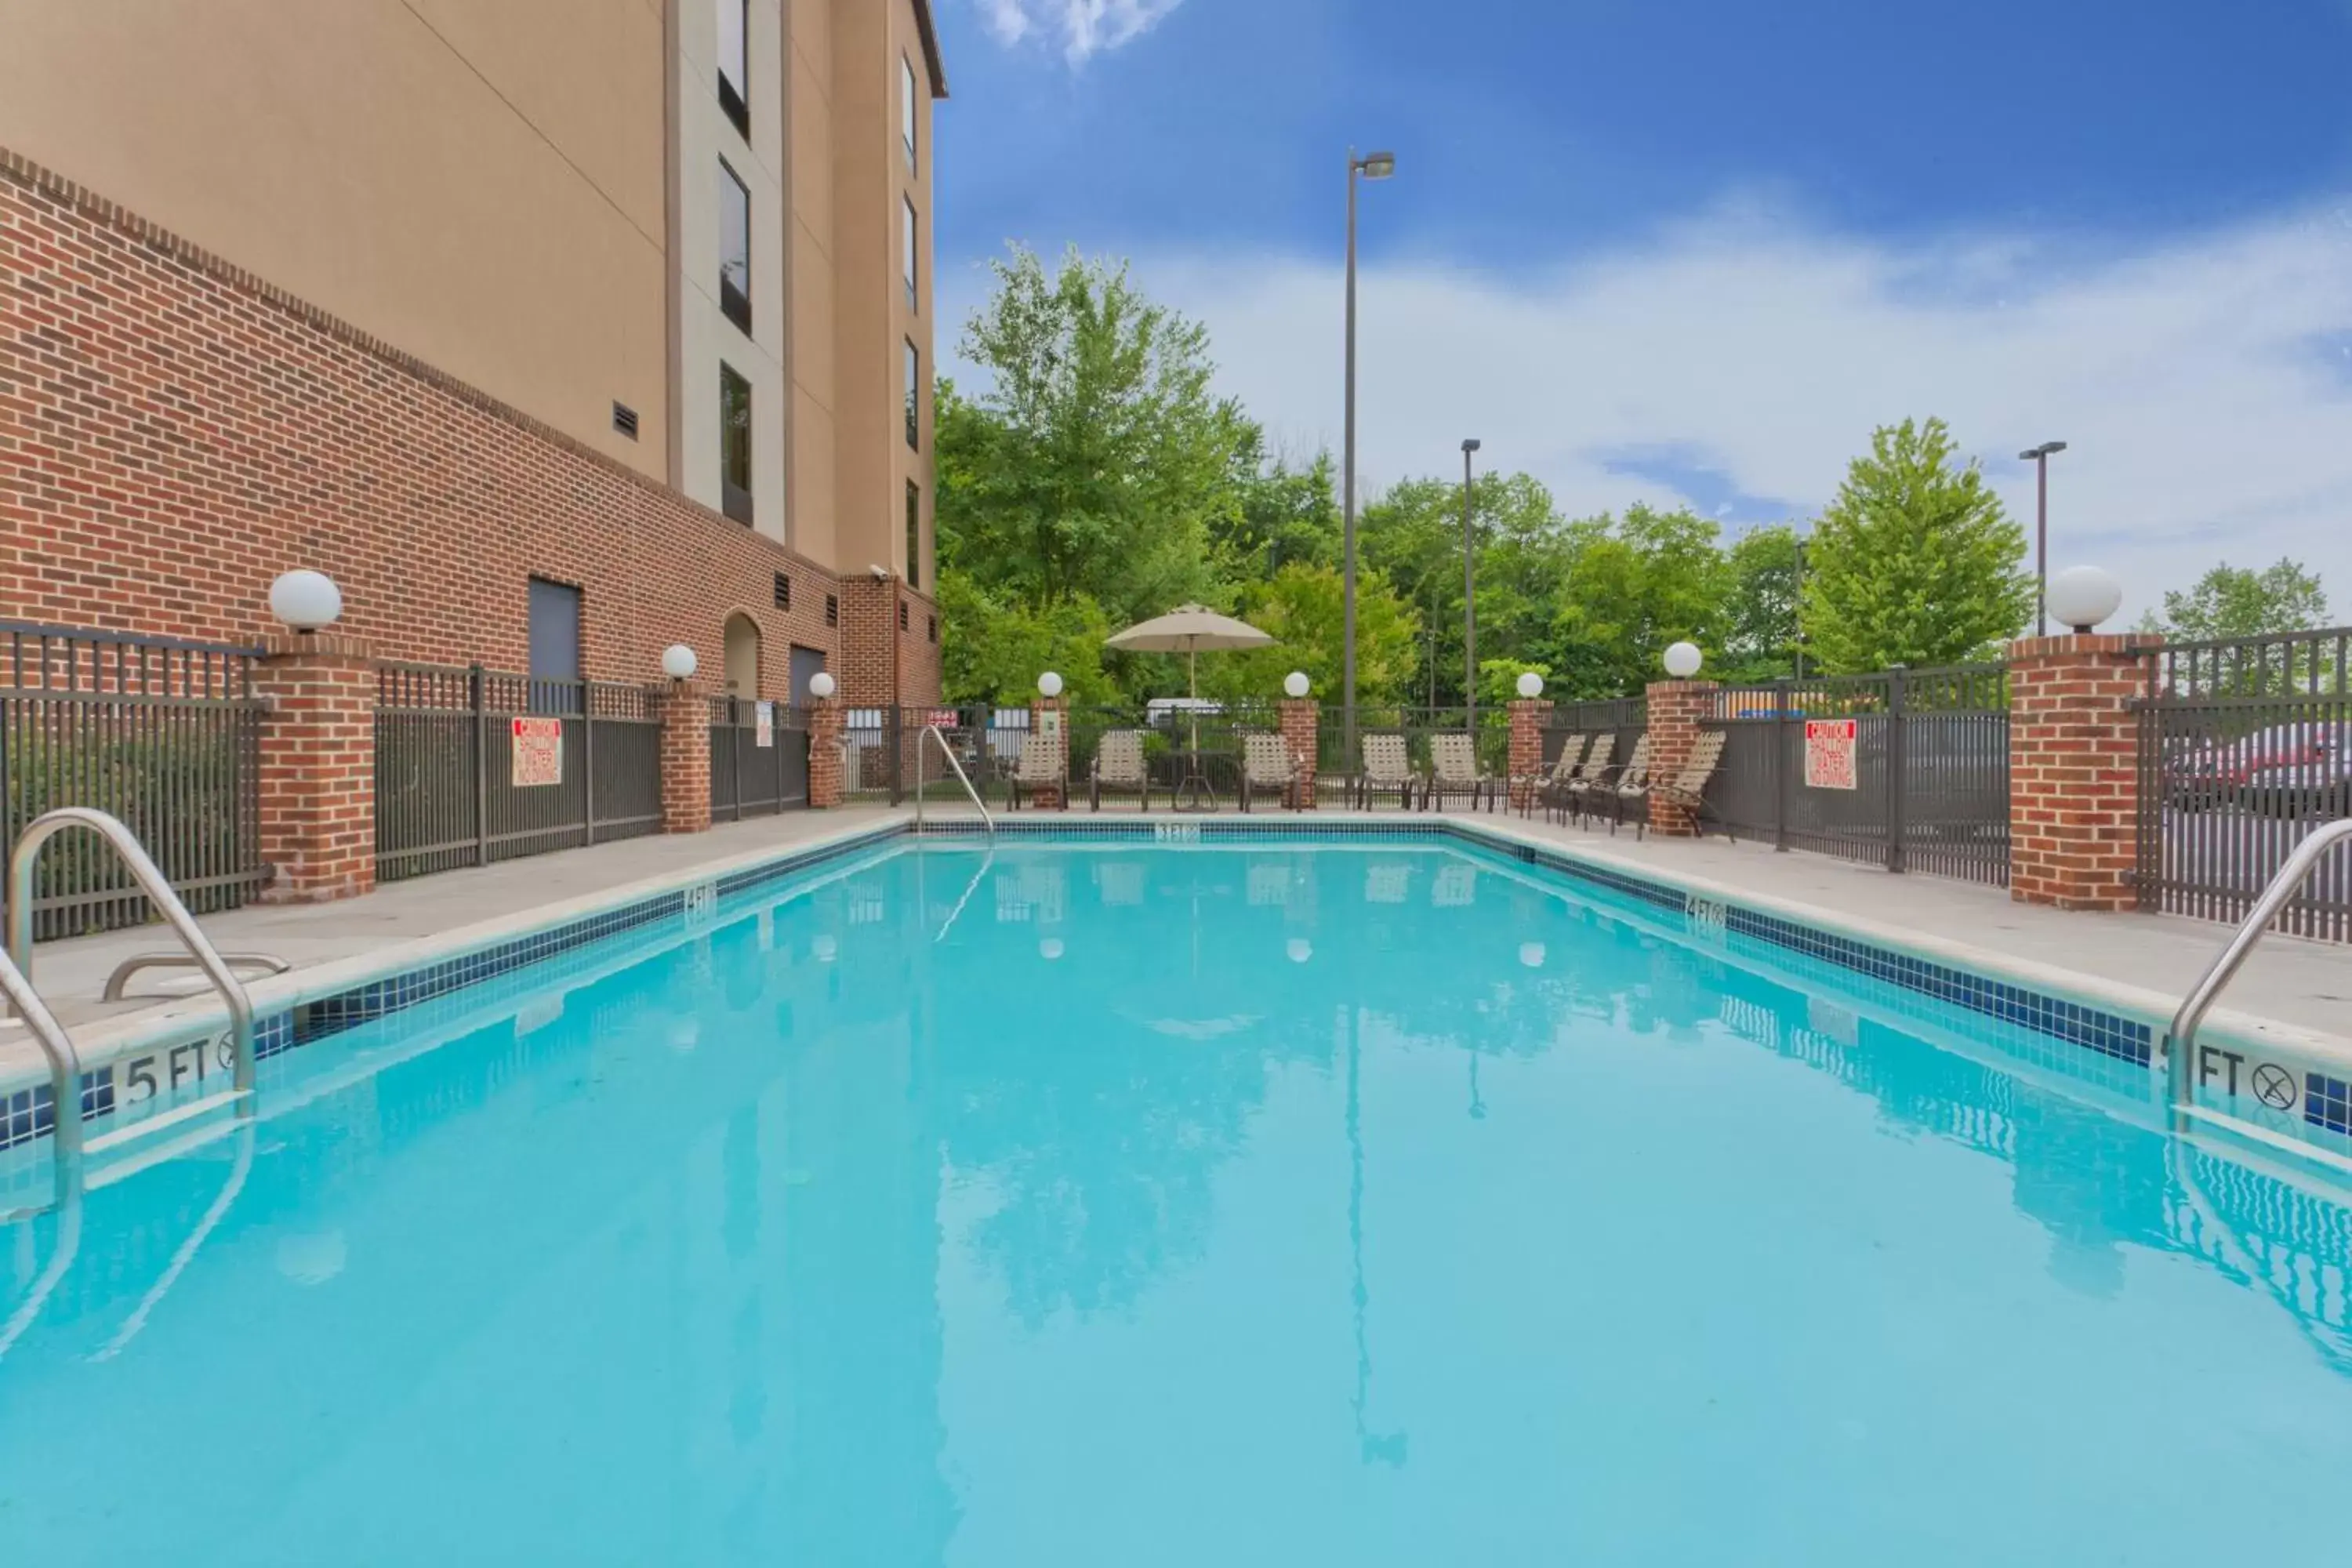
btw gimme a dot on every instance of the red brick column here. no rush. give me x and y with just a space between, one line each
1529 717
1675 709
1301 718
2073 770
824 753
317 766
1047 795
684 708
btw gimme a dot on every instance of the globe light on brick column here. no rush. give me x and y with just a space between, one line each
1683 660
1530 684
2083 596
678 661
305 600
1295 683
820 686
1049 685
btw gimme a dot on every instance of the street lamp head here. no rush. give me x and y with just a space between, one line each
1377 165
2047 450
1470 445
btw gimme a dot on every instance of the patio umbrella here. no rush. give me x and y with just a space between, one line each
1188 629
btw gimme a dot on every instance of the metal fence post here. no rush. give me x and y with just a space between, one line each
1784 698
1896 765
588 764
481 766
893 729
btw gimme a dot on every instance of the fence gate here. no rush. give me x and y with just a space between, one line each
2245 746
162 733
1907 769
757 769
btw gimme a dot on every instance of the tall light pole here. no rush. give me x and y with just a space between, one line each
1469 600
1372 166
2040 457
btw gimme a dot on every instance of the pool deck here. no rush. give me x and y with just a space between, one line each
2305 986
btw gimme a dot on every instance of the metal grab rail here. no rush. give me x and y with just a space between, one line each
932 730
158 888
65 1075
2282 888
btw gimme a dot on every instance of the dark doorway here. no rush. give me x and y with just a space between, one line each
554 646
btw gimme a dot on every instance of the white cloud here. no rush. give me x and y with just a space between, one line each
1081 28
2207 409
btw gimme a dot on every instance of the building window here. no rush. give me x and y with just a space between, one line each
907 108
734 444
784 591
914 393
906 247
914 534
734 248
832 610
734 62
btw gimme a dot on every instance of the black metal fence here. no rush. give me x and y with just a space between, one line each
2245 746
162 733
1625 718
474 766
1907 769
756 769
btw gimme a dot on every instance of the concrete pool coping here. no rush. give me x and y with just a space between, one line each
2286 1000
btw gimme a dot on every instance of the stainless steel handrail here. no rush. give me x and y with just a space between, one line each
158 888
962 777
65 1072
2282 887
120 981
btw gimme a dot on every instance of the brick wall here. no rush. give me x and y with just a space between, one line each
1301 720
2073 770
317 767
176 432
1675 709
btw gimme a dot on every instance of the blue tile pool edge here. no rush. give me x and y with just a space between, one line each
2325 1100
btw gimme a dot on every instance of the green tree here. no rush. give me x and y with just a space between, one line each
1915 562
1096 463
1637 583
1760 621
995 651
2238 602
1288 516
1303 606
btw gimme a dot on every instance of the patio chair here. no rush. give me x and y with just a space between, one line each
1601 785
1268 767
1119 769
1453 771
1386 766
1559 793
1687 788
1526 789
1040 768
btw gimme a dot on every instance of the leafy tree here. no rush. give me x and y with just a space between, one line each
1288 516
1096 463
1915 562
2238 602
1760 623
997 651
1498 682
1634 585
1303 608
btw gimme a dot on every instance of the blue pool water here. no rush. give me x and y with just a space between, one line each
1366 1204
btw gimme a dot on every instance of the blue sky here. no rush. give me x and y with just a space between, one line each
1692 251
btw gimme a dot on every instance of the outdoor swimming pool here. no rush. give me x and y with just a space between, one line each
1283 1202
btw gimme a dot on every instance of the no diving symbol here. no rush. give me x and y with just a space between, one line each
2274 1086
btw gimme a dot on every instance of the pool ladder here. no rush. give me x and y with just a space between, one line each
71 1147
2181 1078
932 731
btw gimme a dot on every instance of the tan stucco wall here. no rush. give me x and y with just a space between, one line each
480 185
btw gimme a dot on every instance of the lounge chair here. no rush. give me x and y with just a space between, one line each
1453 771
1268 767
1601 784
1120 770
1526 789
1687 788
1040 767
1580 759
1585 792
1386 767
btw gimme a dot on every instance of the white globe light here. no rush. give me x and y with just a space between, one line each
1530 684
1299 948
678 661
2083 596
306 600
820 686
1049 685
1683 660
1295 683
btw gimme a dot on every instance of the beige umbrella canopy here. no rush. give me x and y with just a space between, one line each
1189 629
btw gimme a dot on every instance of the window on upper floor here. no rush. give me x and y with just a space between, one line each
907 234
914 534
734 444
734 248
735 62
914 394
907 108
